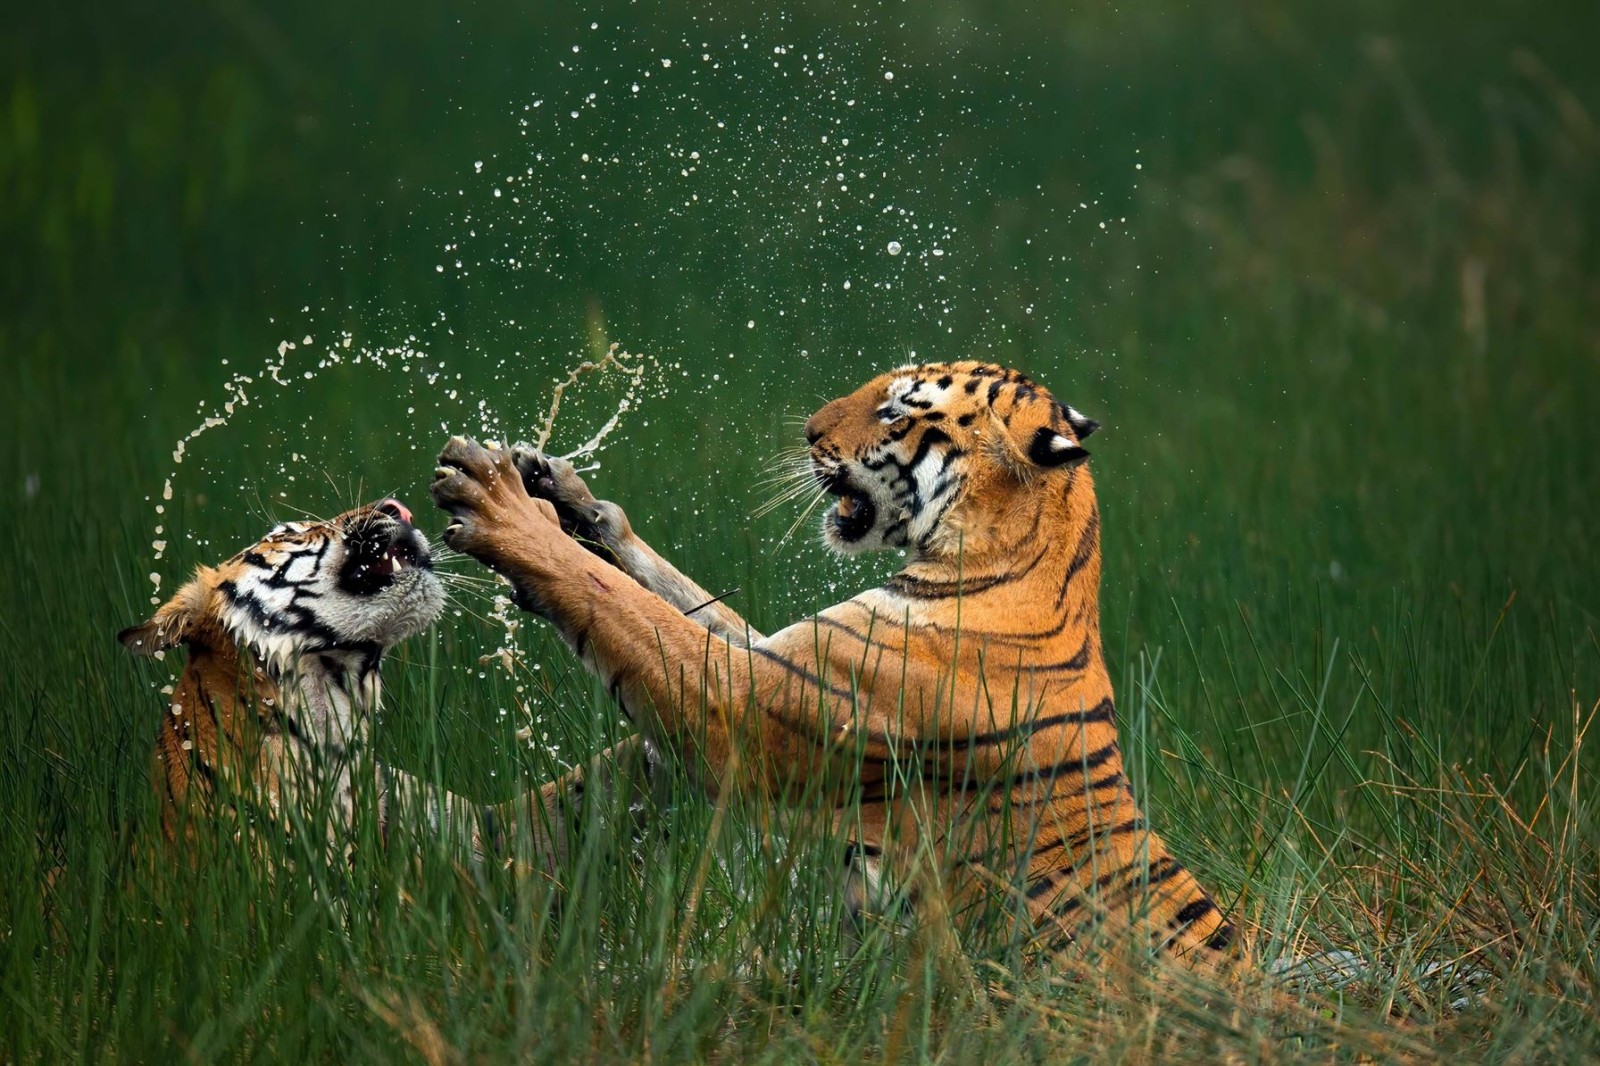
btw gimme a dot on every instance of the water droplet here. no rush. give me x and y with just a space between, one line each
894 247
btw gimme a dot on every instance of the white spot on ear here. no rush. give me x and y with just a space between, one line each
1058 443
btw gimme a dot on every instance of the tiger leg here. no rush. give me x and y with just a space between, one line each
541 829
603 528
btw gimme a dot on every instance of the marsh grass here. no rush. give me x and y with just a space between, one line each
1347 365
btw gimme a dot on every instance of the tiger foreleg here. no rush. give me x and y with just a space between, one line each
603 528
705 698
542 830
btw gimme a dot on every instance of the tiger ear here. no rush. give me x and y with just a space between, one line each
1037 427
1082 425
173 623
147 638
1052 449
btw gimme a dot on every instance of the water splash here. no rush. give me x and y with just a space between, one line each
241 390
288 370
615 359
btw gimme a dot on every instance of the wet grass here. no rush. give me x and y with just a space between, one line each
1345 349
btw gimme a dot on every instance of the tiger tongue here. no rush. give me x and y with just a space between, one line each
847 506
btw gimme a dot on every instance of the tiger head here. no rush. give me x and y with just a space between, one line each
928 458
362 580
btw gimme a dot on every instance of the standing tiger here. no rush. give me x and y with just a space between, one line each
284 644
962 708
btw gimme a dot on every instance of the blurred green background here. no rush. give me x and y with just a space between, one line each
1328 274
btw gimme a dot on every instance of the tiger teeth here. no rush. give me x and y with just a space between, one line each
847 506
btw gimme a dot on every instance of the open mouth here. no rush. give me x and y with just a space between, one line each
855 512
380 549
396 559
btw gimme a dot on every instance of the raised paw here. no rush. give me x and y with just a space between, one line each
597 523
482 491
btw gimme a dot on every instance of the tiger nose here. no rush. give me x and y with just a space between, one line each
394 509
825 419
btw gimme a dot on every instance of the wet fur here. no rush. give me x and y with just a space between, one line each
284 644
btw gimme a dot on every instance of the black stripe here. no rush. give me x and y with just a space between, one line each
1101 712
1050 878
802 673
913 587
1014 804
841 627
1071 841
1094 834
1026 641
1087 543
1078 661
933 436
944 509
1193 911
960 779
1087 761
300 621
1164 869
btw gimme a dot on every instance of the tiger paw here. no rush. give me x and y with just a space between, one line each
492 516
596 523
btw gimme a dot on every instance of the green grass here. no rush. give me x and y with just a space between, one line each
1344 345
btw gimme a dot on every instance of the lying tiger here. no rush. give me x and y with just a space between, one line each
285 641
963 708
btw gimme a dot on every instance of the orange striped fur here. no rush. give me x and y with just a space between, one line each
962 709
281 679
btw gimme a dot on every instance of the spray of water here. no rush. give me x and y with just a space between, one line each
244 389
789 181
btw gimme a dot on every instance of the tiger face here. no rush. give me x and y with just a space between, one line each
362 579
923 456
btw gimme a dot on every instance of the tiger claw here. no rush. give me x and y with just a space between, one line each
537 476
454 532
467 456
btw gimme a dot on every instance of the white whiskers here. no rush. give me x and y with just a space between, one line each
805 513
789 475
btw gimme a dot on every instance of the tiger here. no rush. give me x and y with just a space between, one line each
961 709
285 641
